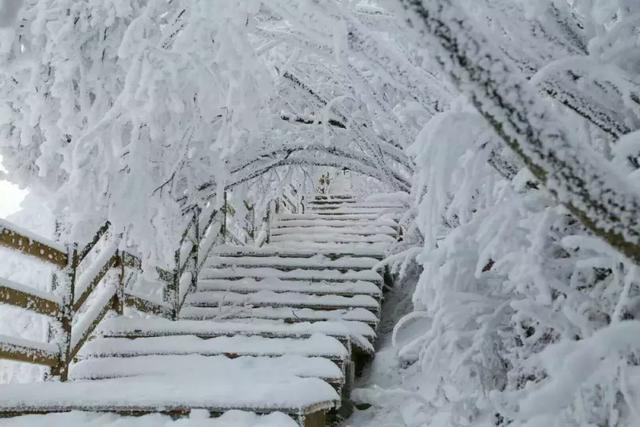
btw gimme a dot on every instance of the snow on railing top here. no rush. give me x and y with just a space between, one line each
28 243
29 298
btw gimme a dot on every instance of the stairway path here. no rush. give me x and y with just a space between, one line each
283 327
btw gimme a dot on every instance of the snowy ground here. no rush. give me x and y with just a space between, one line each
392 390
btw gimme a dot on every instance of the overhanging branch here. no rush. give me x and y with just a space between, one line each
573 173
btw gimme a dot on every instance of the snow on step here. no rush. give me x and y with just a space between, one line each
287 317
317 229
340 202
333 223
373 250
317 261
335 217
273 299
208 366
359 203
313 275
329 203
288 314
331 196
305 250
95 419
316 345
354 207
277 285
391 204
358 212
249 389
359 333
336 237
352 204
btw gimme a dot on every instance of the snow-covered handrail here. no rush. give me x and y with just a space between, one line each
16 238
64 303
29 298
101 232
76 290
28 351
89 320
89 279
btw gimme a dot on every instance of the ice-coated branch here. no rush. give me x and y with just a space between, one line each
572 172
317 155
588 107
552 48
361 131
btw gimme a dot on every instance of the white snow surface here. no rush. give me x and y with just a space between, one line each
288 313
331 237
276 299
314 345
131 111
308 249
278 285
334 224
299 274
360 333
344 231
219 367
317 261
252 389
197 419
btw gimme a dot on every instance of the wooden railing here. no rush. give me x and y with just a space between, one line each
81 298
70 296
259 232
74 318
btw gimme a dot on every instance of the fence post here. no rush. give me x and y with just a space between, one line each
173 290
196 247
250 222
253 223
223 227
66 314
118 300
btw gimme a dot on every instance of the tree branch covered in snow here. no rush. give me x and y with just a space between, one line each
574 173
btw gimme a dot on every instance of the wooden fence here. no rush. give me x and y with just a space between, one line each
79 303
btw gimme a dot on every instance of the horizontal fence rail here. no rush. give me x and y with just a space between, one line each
86 297
28 351
29 299
15 238
65 308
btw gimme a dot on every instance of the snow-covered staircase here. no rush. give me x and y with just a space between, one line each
282 328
